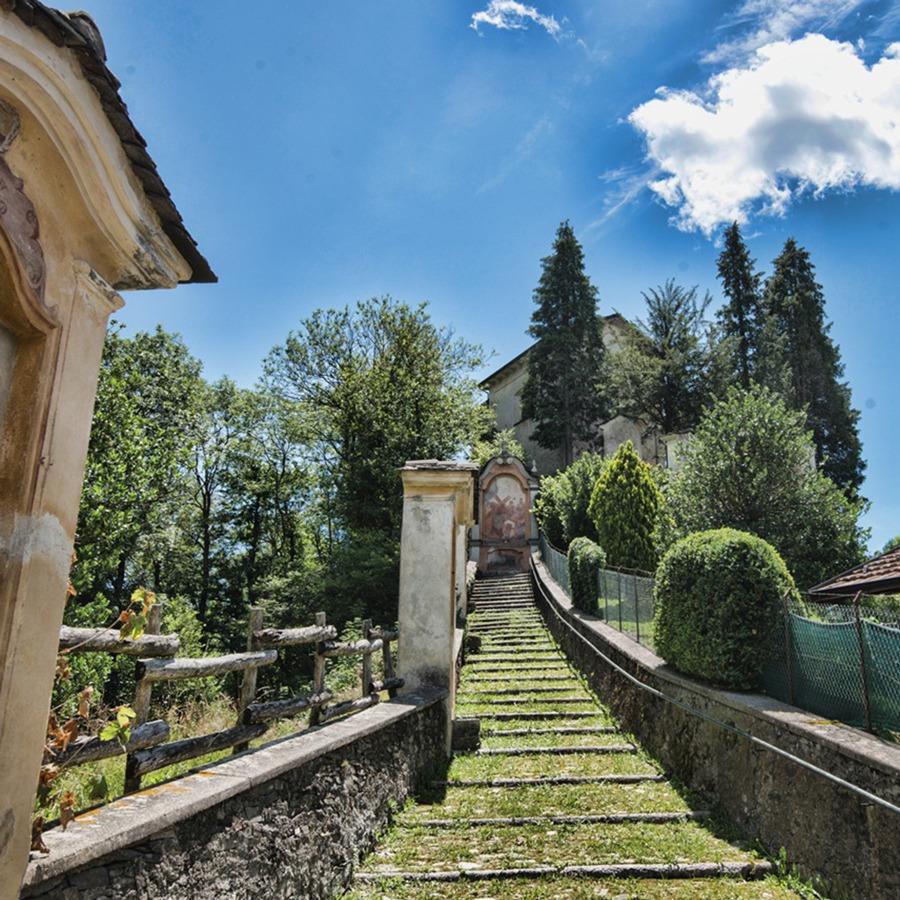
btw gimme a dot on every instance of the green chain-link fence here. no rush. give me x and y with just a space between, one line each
840 661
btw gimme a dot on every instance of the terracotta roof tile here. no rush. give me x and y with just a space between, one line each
880 575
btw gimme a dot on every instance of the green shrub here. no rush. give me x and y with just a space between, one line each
562 505
586 559
718 603
625 507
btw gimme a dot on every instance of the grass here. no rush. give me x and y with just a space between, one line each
545 799
427 849
490 767
553 740
560 888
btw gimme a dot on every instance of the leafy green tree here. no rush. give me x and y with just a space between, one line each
562 394
892 544
741 319
500 443
562 505
796 304
751 465
625 507
144 423
662 371
377 385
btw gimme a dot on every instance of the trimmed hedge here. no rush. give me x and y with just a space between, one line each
718 605
586 559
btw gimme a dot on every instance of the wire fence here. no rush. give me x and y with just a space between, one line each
837 659
624 597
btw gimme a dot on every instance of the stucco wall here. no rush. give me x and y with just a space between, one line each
289 820
851 847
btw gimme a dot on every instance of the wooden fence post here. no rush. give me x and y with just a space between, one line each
862 663
248 682
143 692
315 714
366 660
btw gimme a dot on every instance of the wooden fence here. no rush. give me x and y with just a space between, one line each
148 747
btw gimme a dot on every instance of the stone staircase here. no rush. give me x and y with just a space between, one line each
557 802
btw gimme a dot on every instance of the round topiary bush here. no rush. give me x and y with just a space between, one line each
718 605
586 559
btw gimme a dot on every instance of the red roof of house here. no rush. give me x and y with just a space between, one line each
880 575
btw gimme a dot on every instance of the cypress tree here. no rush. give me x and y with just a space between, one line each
796 304
741 318
562 394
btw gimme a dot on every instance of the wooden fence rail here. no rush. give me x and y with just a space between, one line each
148 748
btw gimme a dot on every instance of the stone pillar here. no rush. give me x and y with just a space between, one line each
438 500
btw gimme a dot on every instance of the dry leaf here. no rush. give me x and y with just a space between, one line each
37 840
66 809
84 701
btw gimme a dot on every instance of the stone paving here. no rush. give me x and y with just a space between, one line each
557 802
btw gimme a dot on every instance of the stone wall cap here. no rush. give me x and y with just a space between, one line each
439 465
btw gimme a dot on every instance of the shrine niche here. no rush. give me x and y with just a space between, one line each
506 526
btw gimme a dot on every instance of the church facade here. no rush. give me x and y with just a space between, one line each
504 395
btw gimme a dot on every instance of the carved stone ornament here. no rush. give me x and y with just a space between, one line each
19 220
9 125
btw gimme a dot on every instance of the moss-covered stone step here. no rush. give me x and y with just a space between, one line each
551 799
417 848
561 740
571 887
491 767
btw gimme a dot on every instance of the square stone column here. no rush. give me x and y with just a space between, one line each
438 500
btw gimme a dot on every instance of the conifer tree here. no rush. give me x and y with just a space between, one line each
795 303
626 506
741 318
562 395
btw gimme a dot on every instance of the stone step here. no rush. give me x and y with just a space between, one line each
555 751
535 716
547 700
645 818
744 871
503 691
525 732
549 780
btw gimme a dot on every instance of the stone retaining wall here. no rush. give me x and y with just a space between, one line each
287 820
849 847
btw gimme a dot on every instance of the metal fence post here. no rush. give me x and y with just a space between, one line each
862 663
788 634
637 612
619 582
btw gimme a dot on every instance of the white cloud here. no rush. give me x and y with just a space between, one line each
762 22
803 116
510 15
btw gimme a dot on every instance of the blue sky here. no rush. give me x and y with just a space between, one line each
327 152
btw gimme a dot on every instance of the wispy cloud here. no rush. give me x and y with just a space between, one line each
805 116
625 184
510 15
757 23
522 151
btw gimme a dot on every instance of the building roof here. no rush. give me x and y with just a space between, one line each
880 575
488 382
78 32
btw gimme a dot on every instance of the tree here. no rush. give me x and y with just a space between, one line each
371 387
377 385
562 505
741 318
562 394
796 304
145 417
625 507
662 371
750 465
500 443
892 544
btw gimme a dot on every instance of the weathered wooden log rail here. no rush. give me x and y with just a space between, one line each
148 748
